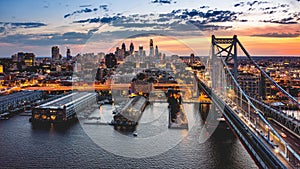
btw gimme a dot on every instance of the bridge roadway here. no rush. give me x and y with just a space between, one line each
289 136
258 150
124 86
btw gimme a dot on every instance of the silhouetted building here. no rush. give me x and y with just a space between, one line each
100 75
156 52
29 59
69 57
192 58
265 86
1 69
120 53
124 47
131 48
23 60
151 54
55 53
110 60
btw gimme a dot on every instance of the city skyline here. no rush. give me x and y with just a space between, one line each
178 27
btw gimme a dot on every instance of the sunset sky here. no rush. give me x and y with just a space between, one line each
177 26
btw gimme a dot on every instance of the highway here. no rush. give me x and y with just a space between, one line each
291 138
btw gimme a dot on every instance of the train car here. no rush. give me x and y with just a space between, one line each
131 113
62 110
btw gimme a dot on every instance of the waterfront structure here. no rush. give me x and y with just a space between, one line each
62 109
131 113
17 100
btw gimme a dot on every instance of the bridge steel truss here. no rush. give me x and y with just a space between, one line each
224 75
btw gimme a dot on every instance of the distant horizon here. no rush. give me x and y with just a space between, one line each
1 57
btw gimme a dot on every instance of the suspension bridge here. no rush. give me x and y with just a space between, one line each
257 124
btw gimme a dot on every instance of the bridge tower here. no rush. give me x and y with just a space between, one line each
227 49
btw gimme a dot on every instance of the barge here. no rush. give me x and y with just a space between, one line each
128 116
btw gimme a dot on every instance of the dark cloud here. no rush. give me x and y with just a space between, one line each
207 27
250 3
200 19
210 15
104 7
147 34
14 25
84 6
162 1
289 20
239 4
86 10
99 20
203 7
162 20
2 29
278 35
275 7
47 39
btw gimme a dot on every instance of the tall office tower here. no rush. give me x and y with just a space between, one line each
264 86
124 47
110 60
131 48
69 57
1 68
55 53
141 51
120 53
151 54
192 58
156 52
29 59
249 83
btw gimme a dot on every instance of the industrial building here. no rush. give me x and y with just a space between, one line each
62 109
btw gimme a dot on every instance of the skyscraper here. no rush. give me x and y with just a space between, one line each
192 58
55 53
1 68
124 47
151 54
156 52
29 59
110 60
69 57
131 48
141 51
